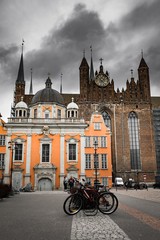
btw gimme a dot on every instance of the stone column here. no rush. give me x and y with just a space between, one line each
82 174
62 170
28 160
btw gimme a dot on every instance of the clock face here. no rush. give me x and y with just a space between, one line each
102 80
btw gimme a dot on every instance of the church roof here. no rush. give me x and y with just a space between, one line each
48 95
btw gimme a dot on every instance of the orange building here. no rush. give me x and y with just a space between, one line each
47 140
98 151
3 133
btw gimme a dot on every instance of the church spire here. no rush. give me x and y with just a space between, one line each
20 77
91 67
31 88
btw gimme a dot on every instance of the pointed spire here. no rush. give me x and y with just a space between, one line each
31 88
91 67
20 77
61 84
142 62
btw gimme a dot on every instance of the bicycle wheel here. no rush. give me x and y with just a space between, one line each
107 203
73 204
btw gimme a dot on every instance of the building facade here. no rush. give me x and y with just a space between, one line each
55 125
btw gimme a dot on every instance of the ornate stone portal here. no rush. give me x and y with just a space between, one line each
45 177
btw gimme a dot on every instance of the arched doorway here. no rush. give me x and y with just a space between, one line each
45 184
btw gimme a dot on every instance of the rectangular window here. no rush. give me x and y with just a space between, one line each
95 139
45 152
59 113
2 160
2 140
105 181
104 161
35 113
96 160
18 152
103 141
97 126
72 151
87 141
88 161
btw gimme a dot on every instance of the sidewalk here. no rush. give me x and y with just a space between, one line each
150 194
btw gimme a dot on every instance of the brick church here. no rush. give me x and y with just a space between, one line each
127 113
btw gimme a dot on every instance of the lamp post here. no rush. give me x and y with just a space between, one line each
12 146
95 161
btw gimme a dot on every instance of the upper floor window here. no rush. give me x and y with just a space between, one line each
46 114
87 141
88 161
18 152
2 140
96 161
97 126
59 113
72 151
45 152
104 161
35 113
103 141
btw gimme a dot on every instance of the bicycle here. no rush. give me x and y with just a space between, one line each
90 200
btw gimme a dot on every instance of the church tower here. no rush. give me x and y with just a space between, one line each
144 82
20 82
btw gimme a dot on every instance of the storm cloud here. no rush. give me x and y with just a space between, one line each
61 49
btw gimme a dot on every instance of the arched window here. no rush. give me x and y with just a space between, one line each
107 119
134 141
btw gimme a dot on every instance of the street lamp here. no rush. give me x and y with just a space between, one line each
12 147
95 144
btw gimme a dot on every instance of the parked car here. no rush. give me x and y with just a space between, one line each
131 184
118 182
156 185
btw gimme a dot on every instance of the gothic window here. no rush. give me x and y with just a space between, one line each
134 141
18 152
107 119
45 152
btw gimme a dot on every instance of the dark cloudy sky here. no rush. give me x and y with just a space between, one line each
57 32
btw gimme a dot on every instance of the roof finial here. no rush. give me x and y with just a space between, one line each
101 59
22 45
91 50
84 53
131 73
61 84
142 53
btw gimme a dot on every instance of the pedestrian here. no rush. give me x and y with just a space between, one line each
71 182
65 183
